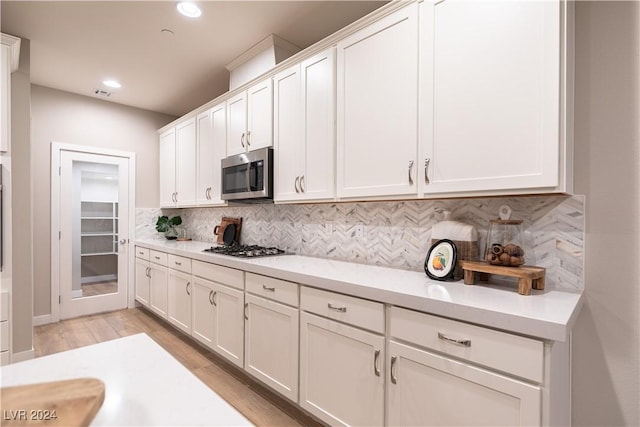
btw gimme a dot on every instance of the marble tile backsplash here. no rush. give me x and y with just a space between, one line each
396 234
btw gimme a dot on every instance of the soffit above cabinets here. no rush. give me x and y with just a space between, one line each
76 45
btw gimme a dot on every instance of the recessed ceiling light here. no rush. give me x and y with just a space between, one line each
188 9
112 83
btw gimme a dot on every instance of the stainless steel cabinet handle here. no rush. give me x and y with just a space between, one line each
295 184
266 288
157 257
140 253
340 309
426 170
209 193
215 302
302 184
211 301
394 379
465 343
410 168
188 288
242 140
178 263
246 306
376 356
248 140
146 272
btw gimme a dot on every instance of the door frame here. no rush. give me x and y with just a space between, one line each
56 151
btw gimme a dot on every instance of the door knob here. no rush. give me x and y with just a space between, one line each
123 241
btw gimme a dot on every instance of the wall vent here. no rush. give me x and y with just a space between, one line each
102 92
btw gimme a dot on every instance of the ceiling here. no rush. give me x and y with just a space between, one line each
75 45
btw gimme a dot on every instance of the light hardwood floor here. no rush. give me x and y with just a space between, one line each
254 401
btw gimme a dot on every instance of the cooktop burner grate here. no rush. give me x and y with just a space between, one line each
245 251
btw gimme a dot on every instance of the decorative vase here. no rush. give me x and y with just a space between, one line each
171 233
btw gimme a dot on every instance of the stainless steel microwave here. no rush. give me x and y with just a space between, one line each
248 177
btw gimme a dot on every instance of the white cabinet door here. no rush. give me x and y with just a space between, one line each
259 116
377 108
271 344
212 148
237 124
318 157
158 289
185 158
493 100
288 134
203 320
341 372
179 313
229 323
142 281
168 169
427 389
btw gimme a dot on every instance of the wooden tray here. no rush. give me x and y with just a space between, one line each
59 403
223 224
528 276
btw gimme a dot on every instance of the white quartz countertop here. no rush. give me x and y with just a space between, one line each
144 385
548 314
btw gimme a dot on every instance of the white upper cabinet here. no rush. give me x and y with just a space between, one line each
304 99
493 96
377 108
10 49
211 149
168 168
250 119
178 165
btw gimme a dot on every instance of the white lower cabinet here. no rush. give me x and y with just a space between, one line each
179 313
450 373
428 389
341 366
142 281
341 379
158 289
271 333
218 320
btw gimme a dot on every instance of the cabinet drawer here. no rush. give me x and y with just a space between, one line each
354 311
275 289
217 273
499 350
4 306
4 336
158 257
180 263
142 253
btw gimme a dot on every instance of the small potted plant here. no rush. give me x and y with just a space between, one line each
167 226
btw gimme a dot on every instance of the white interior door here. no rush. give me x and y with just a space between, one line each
93 235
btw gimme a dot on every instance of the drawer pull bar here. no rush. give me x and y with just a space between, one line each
188 288
376 356
465 343
156 257
266 288
178 263
340 309
246 306
211 301
394 379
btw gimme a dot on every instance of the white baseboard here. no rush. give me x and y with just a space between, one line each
45 319
22 356
103 278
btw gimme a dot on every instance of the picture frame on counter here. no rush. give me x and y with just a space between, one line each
441 260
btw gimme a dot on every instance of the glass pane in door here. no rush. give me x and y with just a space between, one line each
95 229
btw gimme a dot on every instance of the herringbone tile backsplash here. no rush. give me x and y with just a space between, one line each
396 234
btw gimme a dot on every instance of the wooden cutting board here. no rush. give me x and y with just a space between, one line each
60 403
223 224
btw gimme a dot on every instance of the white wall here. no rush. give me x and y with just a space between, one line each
606 346
64 117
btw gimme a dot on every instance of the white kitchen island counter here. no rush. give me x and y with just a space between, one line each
548 314
144 385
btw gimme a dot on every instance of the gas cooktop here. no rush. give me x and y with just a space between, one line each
245 251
